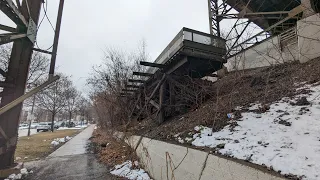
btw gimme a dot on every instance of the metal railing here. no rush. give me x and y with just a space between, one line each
187 35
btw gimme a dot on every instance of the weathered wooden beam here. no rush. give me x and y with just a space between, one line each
129 90
143 63
142 74
176 66
151 96
136 81
156 105
133 86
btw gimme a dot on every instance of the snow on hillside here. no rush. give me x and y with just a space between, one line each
285 138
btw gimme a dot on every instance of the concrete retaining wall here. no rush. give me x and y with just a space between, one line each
168 162
309 38
266 53
300 43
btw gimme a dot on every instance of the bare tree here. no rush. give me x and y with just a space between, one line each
72 96
108 80
83 107
39 64
53 99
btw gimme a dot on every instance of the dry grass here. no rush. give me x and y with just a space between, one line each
110 150
38 145
264 85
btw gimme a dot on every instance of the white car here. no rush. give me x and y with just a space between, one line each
23 126
44 126
34 125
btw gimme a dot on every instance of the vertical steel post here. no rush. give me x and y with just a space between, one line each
17 74
214 19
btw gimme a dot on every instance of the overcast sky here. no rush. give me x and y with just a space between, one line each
90 26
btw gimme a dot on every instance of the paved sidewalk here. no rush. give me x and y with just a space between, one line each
76 145
70 162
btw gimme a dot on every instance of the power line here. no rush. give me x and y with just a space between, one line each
45 8
42 17
45 12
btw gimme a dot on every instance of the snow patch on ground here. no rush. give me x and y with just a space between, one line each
72 128
286 138
125 170
57 141
23 173
81 126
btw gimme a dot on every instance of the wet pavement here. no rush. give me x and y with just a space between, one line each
75 167
70 162
77 145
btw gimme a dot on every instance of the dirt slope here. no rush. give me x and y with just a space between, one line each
264 85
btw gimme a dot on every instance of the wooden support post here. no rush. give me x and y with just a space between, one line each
161 114
149 98
156 105
172 97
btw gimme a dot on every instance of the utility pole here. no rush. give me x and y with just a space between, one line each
56 39
32 115
16 76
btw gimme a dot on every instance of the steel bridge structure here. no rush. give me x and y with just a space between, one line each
235 25
25 15
253 21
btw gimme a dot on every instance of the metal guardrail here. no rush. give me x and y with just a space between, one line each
187 35
288 37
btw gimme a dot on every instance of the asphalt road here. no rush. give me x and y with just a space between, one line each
70 162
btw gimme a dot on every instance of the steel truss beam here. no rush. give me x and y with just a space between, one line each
11 37
236 42
8 7
7 28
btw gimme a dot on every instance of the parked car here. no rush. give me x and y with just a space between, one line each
23 126
56 125
44 126
34 125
